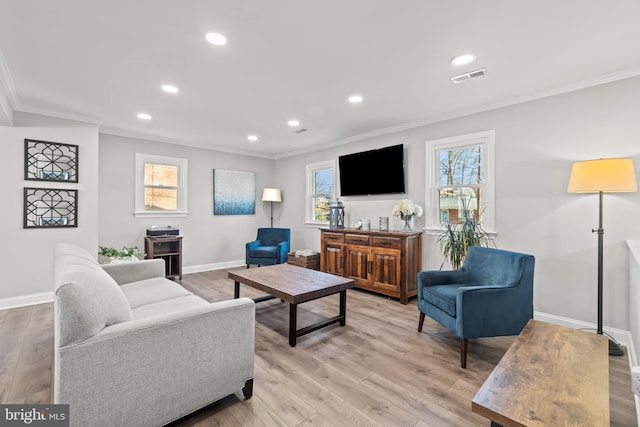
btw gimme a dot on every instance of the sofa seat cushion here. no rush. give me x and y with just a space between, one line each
87 298
167 307
151 291
443 297
264 252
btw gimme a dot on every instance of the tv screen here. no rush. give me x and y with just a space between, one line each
372 172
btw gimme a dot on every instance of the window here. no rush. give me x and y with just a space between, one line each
460 179
320 191
161 186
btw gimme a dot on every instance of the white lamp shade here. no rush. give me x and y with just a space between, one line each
607 175
271 195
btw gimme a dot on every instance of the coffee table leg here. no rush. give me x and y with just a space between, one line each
293 324
236 289
343 308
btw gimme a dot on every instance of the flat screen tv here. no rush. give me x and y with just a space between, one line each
378 171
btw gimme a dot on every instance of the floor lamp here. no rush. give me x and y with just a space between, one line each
603 176
271 195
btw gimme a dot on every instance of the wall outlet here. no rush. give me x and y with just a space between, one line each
635 380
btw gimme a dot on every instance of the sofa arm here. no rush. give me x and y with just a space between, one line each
283 251
127 272
195 357
492 310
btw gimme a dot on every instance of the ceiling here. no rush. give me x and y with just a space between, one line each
104 62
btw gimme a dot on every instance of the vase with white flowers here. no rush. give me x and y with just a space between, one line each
406 210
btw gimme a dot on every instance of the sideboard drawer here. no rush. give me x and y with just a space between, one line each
334 237
357 239
386 242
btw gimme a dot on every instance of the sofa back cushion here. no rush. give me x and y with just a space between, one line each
86 298
494 267
273 236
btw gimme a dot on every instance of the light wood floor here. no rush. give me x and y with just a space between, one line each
376 371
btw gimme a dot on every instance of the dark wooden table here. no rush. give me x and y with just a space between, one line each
295 285
550 376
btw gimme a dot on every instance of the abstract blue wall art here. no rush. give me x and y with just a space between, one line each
234 192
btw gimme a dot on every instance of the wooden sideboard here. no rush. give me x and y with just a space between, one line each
385 262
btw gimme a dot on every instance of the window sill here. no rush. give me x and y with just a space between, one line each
436 230
160 214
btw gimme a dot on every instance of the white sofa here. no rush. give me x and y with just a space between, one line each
133 348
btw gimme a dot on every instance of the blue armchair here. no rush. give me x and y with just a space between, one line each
491 295
270 247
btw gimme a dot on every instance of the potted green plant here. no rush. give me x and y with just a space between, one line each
107 254
456 238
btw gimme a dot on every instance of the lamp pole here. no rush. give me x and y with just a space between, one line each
614 348
600 232
272 214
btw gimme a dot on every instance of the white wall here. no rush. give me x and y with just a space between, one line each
209 240
536 144
26 255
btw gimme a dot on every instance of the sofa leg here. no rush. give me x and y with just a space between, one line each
248 389
463 352
420 322
247 265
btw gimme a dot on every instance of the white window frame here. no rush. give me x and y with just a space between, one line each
309 205
182 164
485 139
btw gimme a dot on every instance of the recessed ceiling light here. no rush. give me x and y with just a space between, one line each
217 39
355 99
144 116
293 123
252 138
170 89
464 59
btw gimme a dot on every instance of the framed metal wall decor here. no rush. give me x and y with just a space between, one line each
50 208
50 161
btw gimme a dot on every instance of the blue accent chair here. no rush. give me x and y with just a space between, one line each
270 247
491 295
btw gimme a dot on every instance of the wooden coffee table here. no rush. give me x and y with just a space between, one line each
295 285
550 376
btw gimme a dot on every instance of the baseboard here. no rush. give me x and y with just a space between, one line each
215 266
623 337
24 300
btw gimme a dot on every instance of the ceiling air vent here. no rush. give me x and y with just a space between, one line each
300 130
468 76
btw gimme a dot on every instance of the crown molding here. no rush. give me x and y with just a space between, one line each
58 114
7 82
558 90
196 144
8 97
